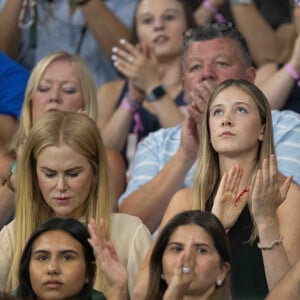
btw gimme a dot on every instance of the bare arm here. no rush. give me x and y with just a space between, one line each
8 125
273 222
288 286
114 123
150 201
264 44
106 27
9 30
277 84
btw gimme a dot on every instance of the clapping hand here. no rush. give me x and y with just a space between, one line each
228 205
183 273
268 192
107 258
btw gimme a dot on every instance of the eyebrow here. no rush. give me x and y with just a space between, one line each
195 244
44 168
235 104
42 251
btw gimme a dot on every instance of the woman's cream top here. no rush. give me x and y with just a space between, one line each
129 235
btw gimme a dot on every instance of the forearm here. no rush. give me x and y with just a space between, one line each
115 131
262 40
107 28
277 88
7 205
288 287
10 32
275 260
150 201
167 112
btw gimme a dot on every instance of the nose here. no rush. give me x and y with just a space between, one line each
158 24
53 267
227 121
54 95
208 73
61 183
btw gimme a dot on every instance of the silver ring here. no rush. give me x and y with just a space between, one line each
186 270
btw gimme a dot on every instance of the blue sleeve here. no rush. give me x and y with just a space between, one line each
145 165
13 81
286 126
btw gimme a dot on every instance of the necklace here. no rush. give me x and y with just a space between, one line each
238 198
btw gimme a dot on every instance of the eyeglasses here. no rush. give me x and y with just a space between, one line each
199 32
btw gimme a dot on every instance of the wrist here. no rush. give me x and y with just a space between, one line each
241 2
129 105
293 72
213 9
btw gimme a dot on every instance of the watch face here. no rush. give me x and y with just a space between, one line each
156 93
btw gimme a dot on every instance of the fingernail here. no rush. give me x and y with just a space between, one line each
114 49
115 63
122 41
114 57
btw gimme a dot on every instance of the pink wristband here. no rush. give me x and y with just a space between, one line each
292 72
129 105
214 11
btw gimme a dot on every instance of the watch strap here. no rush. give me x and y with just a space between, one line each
156 93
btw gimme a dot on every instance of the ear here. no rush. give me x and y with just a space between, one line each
261 136
251 74
224 269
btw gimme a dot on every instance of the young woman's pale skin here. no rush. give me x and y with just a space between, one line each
59 89
57 267
232 114
190 245
65 178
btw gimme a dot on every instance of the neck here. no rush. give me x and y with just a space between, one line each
171 71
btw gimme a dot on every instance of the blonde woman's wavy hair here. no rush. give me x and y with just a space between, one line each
81 134
207 175
87 86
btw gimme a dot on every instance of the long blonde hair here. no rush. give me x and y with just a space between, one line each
207 175
81 134
87 86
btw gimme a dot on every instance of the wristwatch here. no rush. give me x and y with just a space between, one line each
158 92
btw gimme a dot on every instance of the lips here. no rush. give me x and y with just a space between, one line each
53 284
160 39
62 200
226 133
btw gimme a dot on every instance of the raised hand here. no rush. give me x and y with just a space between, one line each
268 192
181 281
107 258
138 63
228 205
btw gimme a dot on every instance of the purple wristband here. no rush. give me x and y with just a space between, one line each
214 11
292 72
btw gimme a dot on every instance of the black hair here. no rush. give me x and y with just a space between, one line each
208 222
75 229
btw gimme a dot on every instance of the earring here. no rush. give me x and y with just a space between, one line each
219 282
162 277
86 280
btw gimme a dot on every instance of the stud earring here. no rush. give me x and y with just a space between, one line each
219 282
162 276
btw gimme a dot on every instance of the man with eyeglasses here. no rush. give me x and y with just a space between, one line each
164 161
